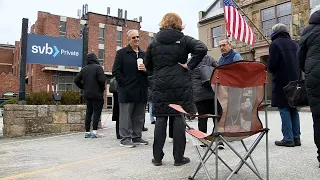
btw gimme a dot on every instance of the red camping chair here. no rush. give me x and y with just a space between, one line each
240 88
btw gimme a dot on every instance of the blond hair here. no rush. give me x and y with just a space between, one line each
171 20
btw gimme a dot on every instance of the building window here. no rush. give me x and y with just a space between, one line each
101 56
64 81
216 36
81 29
63 28
101 35
314 3
273 15
119 38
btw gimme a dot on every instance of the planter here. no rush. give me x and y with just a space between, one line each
26 120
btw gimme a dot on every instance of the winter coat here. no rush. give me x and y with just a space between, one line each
309 58
91 78
133 87
284 66
171 82
150 84
201 93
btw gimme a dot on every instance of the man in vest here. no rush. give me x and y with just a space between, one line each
228 55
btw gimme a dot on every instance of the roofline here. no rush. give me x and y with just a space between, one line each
210 5
7 45
210 18
113 17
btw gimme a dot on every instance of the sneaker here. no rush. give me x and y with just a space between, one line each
93 136
156 163
297 141
87 135
127 144
220 145
284 143
184 161
139 141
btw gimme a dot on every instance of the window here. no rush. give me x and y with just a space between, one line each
273 15
314 3
63 27
101 56
64 81
119 38
216 36
81 29
101 35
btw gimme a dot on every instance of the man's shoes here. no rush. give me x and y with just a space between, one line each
156 163
87 135
297 141
144 129
220 145
93 136
285 143
139 141
184 161
118 137
127 144
153 122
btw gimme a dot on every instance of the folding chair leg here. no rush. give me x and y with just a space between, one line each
245 147
244 161
222 160
202 164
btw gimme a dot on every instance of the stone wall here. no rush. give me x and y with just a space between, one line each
23 120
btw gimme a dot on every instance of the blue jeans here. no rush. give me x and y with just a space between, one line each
290 123
150 111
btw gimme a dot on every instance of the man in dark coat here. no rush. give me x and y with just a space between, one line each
167 58
309 57
284 66
91 78
131 75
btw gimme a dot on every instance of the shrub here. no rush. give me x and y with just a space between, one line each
70 98
10 101
40 98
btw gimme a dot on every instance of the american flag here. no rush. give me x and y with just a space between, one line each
237 27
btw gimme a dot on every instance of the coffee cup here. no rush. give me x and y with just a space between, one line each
139 61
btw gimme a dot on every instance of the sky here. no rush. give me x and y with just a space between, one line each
152 11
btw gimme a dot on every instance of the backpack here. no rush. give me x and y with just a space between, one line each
113 85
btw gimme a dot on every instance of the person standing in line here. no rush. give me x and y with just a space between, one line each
131 75
91 79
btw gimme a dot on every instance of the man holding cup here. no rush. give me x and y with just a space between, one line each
131 75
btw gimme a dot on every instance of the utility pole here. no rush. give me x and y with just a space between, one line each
23 59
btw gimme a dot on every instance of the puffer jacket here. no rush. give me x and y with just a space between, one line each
171 82
201 93
309 59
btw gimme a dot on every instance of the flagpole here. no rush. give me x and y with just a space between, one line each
251 22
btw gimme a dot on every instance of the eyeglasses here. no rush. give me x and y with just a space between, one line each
135 37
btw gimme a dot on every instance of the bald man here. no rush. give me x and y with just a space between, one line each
130 73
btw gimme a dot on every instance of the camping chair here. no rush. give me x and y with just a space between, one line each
240 88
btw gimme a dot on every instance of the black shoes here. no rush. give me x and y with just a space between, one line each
297 141
184 161
144 129
285 143
156 163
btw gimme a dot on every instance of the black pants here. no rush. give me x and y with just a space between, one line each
115 113
94 107
179 137
206 107
316 129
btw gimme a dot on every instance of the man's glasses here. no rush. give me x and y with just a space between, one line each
135 37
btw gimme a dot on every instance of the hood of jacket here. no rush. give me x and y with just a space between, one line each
169 36
283 34
92 59
315 18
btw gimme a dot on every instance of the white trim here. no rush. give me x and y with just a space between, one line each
67 70
5 64
118 48
119 28
83 22
63 18
101 46
101 25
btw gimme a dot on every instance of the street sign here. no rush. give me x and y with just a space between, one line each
54 50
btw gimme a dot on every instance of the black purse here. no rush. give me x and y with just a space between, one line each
296 93
206 73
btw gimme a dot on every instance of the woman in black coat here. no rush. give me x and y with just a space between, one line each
167 58
309 57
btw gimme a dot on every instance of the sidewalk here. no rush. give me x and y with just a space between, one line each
71 156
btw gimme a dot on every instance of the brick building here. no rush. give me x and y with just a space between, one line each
264 14
107 34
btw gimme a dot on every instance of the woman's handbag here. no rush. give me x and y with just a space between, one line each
206 73
296 93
